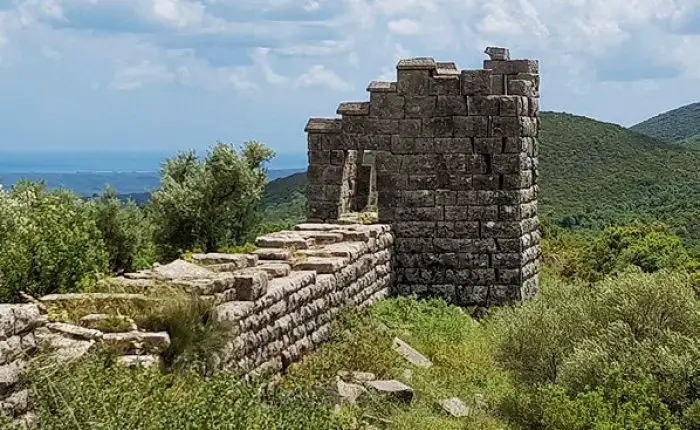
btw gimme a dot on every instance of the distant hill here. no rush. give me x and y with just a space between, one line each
674 125
691 142
593 174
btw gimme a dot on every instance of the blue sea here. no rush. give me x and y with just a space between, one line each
88 173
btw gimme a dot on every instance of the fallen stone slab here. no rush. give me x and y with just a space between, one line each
136 343
348 392
392 390
203 287
357 377
411 355
455 407
183 270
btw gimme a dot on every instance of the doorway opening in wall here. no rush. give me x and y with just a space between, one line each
359 190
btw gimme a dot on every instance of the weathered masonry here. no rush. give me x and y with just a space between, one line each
455 161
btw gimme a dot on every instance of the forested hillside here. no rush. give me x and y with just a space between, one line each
674 125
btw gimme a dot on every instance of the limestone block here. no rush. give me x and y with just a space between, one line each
276 254
471 126
476 82
183 270
410 354
447 85
522 88
386 105
275 270
392 390
74 331
512 67
321 237
235 261
16 403
250 285
63 349
353 108
10 375
128 284
323 125
455 407
443 126
321 265
496 53
17 319
284 239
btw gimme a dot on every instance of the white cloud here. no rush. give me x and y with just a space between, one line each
320 76
260 59
137 76
404 26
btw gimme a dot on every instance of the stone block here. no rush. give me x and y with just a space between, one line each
415 82
237 261
323 125
522 88
451 106
412 145
409 354
512 67
411 128
420 106
250 285
447 85
470 126
439 127
353 108
483 105
392 390
455 145
381 87
386 105
476 82
505 126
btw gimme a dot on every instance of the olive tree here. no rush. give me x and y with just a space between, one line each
211 202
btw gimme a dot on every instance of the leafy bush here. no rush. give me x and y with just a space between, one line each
591 256
622 352
49 242
209 203
126 231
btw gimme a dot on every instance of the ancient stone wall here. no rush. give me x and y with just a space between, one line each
331 268
456 175
17 346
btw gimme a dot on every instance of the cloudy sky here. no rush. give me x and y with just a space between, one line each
174 74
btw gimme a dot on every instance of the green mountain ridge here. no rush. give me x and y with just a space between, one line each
674 125
592 174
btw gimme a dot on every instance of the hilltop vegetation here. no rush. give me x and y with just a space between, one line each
674 125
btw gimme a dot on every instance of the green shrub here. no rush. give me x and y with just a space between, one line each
210 203
621 352
49 242
126 231
651 247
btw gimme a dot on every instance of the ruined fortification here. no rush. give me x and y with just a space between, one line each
448 158
455 162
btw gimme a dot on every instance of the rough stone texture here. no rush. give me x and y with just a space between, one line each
411 355
454 158
394 390
17 346
455 407
333 267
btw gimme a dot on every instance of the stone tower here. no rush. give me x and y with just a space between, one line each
455 161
